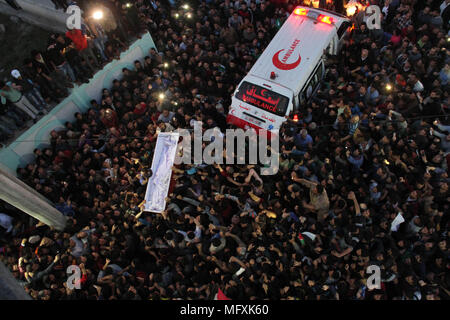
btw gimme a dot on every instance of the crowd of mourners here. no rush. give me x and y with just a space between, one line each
46 77
363 178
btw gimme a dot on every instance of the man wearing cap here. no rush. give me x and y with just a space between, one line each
29 90
12 94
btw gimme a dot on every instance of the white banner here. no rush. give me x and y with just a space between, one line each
159 183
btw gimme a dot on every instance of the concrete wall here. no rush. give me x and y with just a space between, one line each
20 152
41 13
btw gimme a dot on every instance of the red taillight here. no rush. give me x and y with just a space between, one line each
300 11
272 75
295 117
325 19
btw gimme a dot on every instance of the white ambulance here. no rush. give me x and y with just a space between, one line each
289 71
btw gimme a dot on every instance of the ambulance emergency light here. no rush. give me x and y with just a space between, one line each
314 15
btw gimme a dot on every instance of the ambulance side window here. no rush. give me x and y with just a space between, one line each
311 86
320 71
301 99
296 102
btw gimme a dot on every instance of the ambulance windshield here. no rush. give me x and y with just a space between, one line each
263 98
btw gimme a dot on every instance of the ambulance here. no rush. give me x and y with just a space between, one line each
289 71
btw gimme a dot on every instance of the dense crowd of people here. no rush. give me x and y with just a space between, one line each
46 77
363 176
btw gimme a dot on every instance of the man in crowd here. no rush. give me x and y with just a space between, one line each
13 93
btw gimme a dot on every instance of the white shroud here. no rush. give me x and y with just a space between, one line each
159 183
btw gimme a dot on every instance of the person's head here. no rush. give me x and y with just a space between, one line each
161 124
364 52
304 133
108 100
363 208
318 189
191 235
58 37
435 94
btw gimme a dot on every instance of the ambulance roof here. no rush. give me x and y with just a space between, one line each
296 48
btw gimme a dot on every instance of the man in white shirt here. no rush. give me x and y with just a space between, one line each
415 82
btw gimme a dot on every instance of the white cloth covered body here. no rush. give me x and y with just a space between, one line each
159 183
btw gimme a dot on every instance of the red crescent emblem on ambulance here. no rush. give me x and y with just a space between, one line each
284 66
